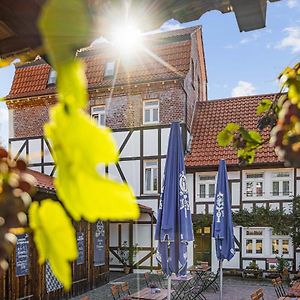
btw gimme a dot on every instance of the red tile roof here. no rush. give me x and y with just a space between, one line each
211 117
173 48
43 181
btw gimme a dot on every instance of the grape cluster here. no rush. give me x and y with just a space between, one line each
267 121
285 136
16 186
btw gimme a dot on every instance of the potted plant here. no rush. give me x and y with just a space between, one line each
127 255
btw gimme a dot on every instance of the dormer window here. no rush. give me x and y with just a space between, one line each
52 77
98 114
109 69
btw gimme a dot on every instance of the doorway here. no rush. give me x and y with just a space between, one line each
202 245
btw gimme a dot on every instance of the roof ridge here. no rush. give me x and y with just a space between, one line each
241 97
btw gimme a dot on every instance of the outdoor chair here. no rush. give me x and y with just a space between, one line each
210 280
124 288
258 295
278 286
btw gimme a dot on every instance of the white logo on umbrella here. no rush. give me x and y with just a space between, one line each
184 200
220 207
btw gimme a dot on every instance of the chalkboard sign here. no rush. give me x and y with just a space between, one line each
22 255
80 248
99 244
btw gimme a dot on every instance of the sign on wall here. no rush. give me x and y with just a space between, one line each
99 244
80 248
22 255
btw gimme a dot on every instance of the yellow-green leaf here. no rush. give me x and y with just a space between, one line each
232 127
79 146
263 106
54 237
255 136
65 28
71 84
224 138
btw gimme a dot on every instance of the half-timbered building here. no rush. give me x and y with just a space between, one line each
138 98
265 183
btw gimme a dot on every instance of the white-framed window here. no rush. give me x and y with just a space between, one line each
52 77
281 184
98 113
281 246
151 176
109 68
151 111
254 185
206 187
254 241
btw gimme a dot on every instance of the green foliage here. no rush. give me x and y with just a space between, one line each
253 265
54 237
282 264
202 220
226 135
263 106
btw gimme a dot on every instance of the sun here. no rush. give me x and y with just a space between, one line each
126 38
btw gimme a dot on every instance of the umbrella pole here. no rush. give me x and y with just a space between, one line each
169 287
221 278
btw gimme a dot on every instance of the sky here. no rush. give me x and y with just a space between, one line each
237 63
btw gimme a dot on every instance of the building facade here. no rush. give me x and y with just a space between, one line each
138 98
265 183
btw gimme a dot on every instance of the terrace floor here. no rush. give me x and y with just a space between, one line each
235 288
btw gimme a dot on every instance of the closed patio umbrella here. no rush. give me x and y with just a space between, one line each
222 221
174 225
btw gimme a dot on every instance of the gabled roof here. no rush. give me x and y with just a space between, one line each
211 117
173 48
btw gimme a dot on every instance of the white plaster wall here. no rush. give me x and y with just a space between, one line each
164 140
298 187
119 137
131 171
233 175
15 147
113 234
114 173
235 193
47 154
11 130
200 209
153 203
142 234
132 148
34 151
189 181
150 142
163 164
48 170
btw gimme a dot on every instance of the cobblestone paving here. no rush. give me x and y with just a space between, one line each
235 288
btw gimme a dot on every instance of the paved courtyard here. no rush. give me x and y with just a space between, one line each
235 288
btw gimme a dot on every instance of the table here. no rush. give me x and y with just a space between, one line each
288 298
145 294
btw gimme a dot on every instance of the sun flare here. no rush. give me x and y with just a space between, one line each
126 39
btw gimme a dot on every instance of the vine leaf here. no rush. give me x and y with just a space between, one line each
54 237
65 28
77 150
263 106
225 136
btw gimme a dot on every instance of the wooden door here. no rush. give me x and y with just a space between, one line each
202 245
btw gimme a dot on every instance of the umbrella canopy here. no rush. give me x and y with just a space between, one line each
174 224
222 222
